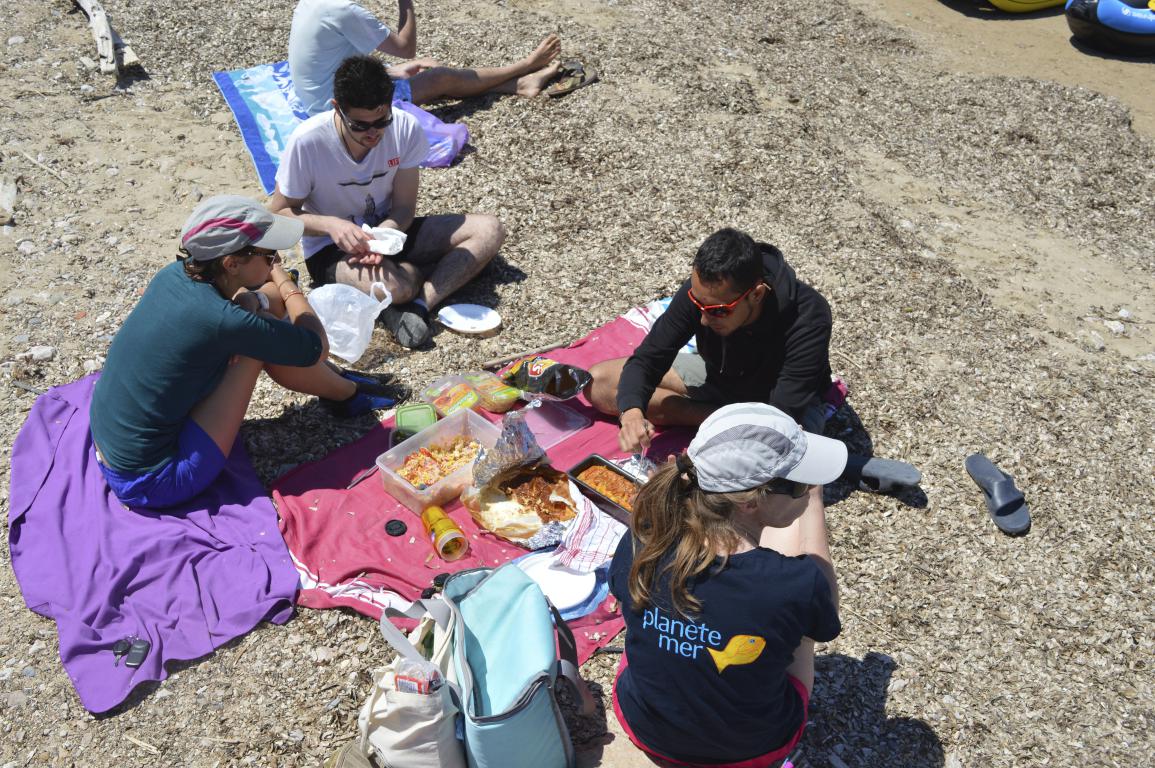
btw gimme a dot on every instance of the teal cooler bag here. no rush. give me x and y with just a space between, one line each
506 638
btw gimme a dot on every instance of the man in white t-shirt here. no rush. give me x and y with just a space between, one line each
326 32
357 164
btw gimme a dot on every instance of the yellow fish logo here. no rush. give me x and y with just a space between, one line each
742 649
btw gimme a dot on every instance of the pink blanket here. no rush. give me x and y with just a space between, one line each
337 535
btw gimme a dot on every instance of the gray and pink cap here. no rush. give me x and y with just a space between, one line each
225 224
745 445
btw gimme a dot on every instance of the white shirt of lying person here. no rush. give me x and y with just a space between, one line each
325 33
316 167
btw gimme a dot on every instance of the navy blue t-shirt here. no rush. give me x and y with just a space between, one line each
713 688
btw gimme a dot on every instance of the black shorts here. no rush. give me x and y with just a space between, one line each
322 264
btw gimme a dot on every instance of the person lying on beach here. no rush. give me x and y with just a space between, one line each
357 164
326 32
762 336
180 371
726 582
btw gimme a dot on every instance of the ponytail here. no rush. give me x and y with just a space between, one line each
678 531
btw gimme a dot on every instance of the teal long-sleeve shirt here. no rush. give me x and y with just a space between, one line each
172 352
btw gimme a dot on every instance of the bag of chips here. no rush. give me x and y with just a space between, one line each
542 378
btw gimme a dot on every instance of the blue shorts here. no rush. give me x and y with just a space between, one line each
402 91
196 465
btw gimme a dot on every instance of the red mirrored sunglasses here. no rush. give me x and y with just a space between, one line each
720 310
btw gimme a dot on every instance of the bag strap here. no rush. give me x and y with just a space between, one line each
442 614
567 665
438 610
395 637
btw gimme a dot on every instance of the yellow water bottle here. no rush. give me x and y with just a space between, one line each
444 534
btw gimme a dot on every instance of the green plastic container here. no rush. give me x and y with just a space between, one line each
411 419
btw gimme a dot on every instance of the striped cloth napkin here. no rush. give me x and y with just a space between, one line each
590 541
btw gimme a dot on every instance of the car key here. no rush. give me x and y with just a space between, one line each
119 648
136 653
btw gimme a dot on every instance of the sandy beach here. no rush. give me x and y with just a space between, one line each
972 191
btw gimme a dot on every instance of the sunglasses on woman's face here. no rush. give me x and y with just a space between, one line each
784 487
719 310
264 253
360 127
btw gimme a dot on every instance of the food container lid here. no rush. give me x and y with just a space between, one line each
552 422
414 417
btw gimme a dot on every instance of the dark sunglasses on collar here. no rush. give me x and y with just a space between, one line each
784 487
720 310
359 127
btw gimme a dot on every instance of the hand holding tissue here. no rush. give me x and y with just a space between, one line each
385 241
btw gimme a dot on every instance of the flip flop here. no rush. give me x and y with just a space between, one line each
570 76
880 475
1005 502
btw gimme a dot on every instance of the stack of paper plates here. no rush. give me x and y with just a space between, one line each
566 589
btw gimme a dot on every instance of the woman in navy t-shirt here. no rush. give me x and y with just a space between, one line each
726 582
181 370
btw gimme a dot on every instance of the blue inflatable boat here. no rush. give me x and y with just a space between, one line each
1114 26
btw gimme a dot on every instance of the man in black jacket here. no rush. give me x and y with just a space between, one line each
762 336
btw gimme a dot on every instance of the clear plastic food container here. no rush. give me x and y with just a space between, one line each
495 395
450 394
461 424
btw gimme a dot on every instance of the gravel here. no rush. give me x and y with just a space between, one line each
829 135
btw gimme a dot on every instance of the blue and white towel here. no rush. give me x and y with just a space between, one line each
646 315
267 111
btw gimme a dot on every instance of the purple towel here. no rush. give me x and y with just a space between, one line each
187 581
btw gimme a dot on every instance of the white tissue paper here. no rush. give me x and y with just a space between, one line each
385 241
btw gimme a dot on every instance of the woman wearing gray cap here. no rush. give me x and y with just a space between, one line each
181 370
726 582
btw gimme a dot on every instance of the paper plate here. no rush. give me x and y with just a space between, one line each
564 588
469 318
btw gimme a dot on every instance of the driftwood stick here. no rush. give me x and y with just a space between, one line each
36 162
847 359
142 744
126 59
27 387
101 33
497 362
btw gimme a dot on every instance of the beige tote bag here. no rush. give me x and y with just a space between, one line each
411 730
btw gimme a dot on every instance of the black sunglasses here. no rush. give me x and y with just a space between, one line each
784 487
359 127
265 253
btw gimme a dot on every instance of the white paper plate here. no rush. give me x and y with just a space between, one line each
564 588
469 318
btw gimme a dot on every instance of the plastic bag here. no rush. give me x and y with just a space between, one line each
348 316
445 139
516 454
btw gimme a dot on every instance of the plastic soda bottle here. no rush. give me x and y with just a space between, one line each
444 534
416 676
